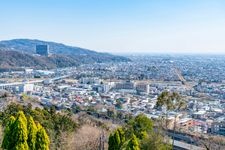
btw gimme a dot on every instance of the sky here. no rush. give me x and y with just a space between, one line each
119 26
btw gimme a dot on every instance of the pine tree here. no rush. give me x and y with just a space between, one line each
19 133
116 140
8 133
22 134
133 144
111 142
42 139
141 125
32 131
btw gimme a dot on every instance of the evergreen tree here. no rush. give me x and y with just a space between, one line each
137 134
122 136
32 131
133 144
111 142
22 134
42 139
7 141
19 133
141 125
116 140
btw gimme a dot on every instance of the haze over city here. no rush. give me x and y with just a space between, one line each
128 26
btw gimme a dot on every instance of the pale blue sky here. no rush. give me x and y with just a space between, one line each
119 26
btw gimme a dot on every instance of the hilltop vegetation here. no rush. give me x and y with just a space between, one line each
22 133
67 132
137 134
55 123
64 131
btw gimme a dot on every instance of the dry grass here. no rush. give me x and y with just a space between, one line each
86 138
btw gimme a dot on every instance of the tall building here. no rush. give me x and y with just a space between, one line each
42 50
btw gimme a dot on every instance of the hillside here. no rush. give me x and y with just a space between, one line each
19 53
15 60
28 46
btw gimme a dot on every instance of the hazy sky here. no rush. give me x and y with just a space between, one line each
194 26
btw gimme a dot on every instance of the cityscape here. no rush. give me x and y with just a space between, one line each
133 88
112 75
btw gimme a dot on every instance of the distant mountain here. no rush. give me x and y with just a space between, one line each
20 52
28 45
15 60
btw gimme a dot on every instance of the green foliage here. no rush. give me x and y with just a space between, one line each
171 100
133 144
8 132
111 142
64 123
21 133
16 133
11 110
21 115
42 140
154 141
140 125
137 134
32 131
54 123
116 139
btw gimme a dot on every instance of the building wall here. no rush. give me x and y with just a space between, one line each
42 50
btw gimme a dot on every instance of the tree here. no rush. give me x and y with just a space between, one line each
116 139
21 133
42 139
7 140
111 142
54 123
154 141
172 101
141 125
133 144
138 134
32 131
18 134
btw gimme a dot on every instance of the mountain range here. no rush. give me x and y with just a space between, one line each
19 53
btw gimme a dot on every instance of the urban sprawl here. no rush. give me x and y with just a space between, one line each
133 88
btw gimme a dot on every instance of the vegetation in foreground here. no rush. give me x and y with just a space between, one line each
55 124
65 131
137 134
22 133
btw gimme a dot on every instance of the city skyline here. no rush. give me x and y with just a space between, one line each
120 26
